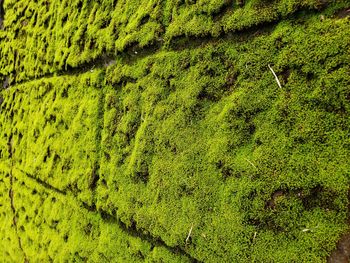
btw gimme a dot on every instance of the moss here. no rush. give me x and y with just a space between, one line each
57 111
55 227
235 130
43 37
190 151
10 250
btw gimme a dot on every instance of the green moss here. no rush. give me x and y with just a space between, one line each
199 139
10 250
43 37
201 136
54 227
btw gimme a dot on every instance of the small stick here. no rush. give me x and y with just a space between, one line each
251 163
276 78
254 236
189 234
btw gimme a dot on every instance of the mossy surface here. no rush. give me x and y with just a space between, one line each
53 227
188 151
42 37
10 249
57 123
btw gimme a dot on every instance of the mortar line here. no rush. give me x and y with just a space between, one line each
130 231
107 59
95 176
11 195
42 183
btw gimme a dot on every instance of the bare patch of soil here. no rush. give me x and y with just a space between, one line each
342 253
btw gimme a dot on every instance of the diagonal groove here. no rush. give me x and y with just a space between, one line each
130 230
2 14
43 183
11 195
139 233
95 176
181 42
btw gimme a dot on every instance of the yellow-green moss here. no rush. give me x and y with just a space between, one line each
10 249
194 137
44 37
54 228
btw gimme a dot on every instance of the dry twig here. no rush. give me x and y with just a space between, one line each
276 78
251 163
189 235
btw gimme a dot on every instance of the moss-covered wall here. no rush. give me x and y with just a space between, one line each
156 130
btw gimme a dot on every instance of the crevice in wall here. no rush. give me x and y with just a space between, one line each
11 195
131 230
133 52
95 175
2 14
43 183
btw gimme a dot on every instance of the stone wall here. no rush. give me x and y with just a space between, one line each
174 131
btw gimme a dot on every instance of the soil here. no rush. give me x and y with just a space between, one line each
342 253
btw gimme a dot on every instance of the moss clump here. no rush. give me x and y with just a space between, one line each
10 250
54 125
41 38
206 138
55 227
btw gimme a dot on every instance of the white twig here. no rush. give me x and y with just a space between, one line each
251 163
311 229
254 236
189 234
276 78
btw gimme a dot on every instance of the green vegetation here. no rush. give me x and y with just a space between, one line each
53 227
184 151
44 37
10 250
